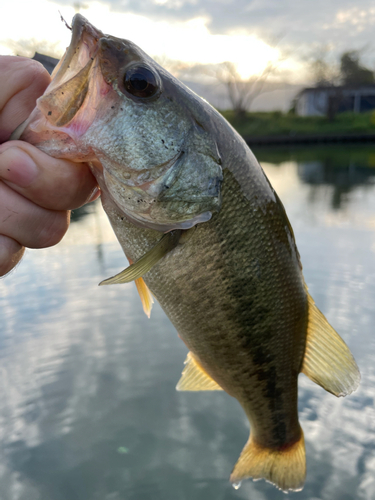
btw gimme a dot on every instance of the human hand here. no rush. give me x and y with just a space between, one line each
36 191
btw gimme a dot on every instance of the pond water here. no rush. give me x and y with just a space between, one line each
88 407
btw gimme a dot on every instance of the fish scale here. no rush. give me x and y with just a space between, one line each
232 321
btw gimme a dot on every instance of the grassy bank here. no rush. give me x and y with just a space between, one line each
332 155
277 123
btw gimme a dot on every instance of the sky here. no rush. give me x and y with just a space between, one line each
250 33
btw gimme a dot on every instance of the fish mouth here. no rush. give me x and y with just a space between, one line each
66 110
83 46
70 79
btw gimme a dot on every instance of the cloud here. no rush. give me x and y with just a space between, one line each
302 22
245 32
297 26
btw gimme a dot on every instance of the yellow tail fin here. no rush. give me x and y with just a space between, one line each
285 468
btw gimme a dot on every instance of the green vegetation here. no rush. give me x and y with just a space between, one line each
330 155
277 123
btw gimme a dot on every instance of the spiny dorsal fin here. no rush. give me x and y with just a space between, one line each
167 243
194 378
328 360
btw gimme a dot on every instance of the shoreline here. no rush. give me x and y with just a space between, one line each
308 139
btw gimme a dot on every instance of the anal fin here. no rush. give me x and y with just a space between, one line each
194 378
328 360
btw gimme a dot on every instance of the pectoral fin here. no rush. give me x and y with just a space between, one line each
145 295
194 378
135 271
328 360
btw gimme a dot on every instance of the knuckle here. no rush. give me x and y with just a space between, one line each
35 74
11 253
22 82
72 187
23 72
52 230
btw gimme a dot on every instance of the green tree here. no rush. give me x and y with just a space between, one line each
327 71
324 68
352 72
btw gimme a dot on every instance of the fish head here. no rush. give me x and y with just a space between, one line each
141 130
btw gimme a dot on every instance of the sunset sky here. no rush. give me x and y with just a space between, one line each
248 32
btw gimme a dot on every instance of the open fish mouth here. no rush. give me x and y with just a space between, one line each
82 49
67 108
71 77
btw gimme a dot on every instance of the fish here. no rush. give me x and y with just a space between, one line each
205 234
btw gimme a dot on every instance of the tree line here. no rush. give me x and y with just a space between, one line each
347 72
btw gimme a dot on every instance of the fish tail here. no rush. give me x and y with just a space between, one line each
284 467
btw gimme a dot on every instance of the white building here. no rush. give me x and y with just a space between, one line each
315 101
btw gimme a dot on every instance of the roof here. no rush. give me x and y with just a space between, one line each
337 87
48 62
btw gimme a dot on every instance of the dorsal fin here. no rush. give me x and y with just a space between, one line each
328 360
194 378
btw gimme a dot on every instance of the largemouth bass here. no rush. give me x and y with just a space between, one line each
208 235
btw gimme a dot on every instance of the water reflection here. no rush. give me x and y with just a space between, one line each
88 408
342 179
342 169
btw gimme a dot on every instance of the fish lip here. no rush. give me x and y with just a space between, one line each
80 26
81 54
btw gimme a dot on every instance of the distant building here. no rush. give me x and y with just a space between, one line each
315 101
48 62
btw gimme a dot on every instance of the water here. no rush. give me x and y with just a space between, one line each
237 486
88 407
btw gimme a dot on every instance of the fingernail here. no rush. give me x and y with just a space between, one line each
17 167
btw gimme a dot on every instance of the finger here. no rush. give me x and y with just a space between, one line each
11 253
22 81
48 182
28 224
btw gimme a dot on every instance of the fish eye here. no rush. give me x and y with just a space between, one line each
140 82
